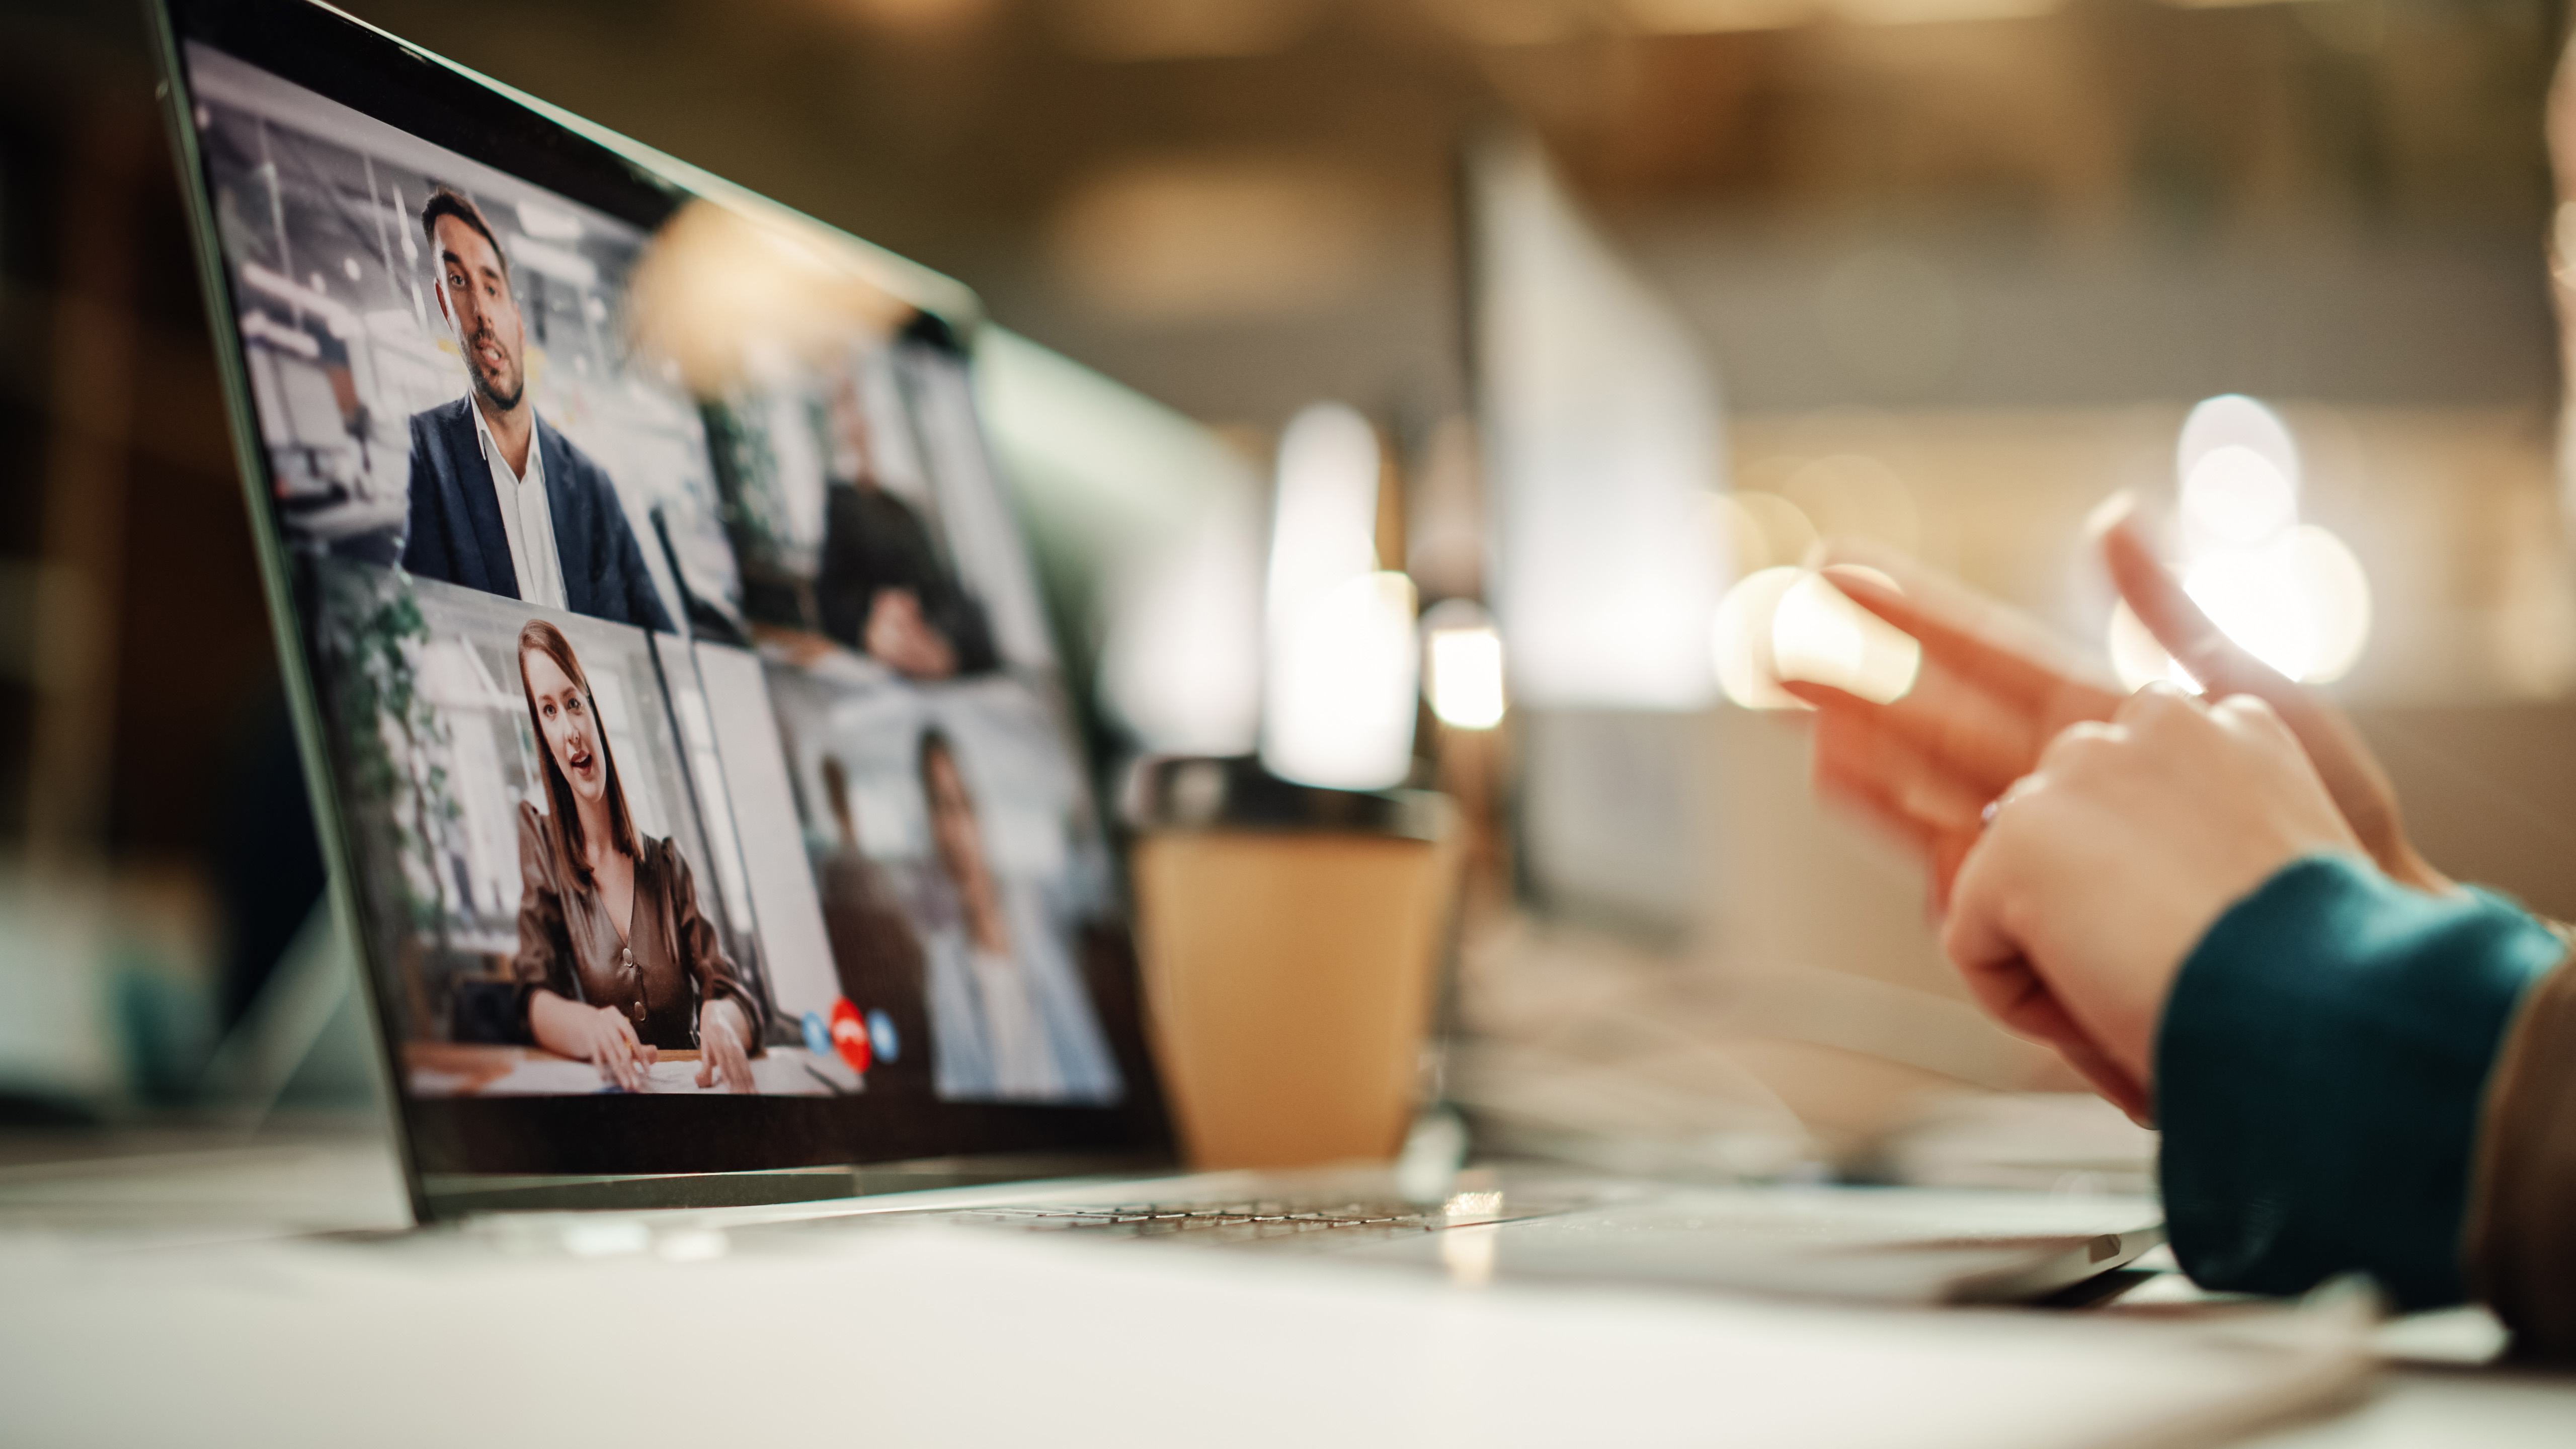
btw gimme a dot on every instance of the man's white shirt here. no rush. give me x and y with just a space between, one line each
526 514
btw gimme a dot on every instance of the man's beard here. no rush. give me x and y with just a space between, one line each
483 383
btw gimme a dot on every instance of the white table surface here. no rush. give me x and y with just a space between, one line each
2438 1383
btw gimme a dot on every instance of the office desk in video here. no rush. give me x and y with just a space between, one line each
451 1069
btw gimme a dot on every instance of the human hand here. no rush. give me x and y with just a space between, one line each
2351 773
897 635
721 1033
2074 911
1994 688
802 648
622 1059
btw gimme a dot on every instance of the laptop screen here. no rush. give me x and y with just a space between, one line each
693 752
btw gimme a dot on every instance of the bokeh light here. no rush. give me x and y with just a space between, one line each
2338 595
1742 639
2291 594
1854 495
2234 420
1343 661
1737 536
1323 529
1462 659
1792 623
1787 534
2234 497
2258 603
1345 671
1820 635
2136 656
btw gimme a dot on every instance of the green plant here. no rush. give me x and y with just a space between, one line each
394 739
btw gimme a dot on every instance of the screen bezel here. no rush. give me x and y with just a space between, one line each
596 1138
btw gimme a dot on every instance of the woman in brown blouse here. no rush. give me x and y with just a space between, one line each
614 957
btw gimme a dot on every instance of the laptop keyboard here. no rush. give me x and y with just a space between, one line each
1238 1222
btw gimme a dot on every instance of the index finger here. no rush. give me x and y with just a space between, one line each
1966 633
1960 725
2352 774
2178 623
633 1054
608 1053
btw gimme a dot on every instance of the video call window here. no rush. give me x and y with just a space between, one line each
788 804
405 314
472 728
864 511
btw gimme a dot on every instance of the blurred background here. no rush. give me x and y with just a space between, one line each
1653 291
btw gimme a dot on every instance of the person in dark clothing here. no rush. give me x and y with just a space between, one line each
2210 907
874 951
885 588
499 501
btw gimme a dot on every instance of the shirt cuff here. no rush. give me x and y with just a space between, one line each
2319 1074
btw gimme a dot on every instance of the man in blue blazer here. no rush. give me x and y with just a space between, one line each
500 502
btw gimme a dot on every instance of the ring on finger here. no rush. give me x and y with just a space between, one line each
1995 808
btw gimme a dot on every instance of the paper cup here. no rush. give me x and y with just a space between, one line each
1290 941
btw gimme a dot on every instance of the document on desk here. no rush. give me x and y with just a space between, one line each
947 1336
550 1076
780 1071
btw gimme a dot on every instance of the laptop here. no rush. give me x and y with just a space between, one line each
696 767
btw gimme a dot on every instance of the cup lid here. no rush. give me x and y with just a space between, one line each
1202 792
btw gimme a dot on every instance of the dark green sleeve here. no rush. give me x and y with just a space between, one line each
2319 1074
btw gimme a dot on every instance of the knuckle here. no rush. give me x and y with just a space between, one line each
2247 706
2255 722
2080 747
2156 705
2251 712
